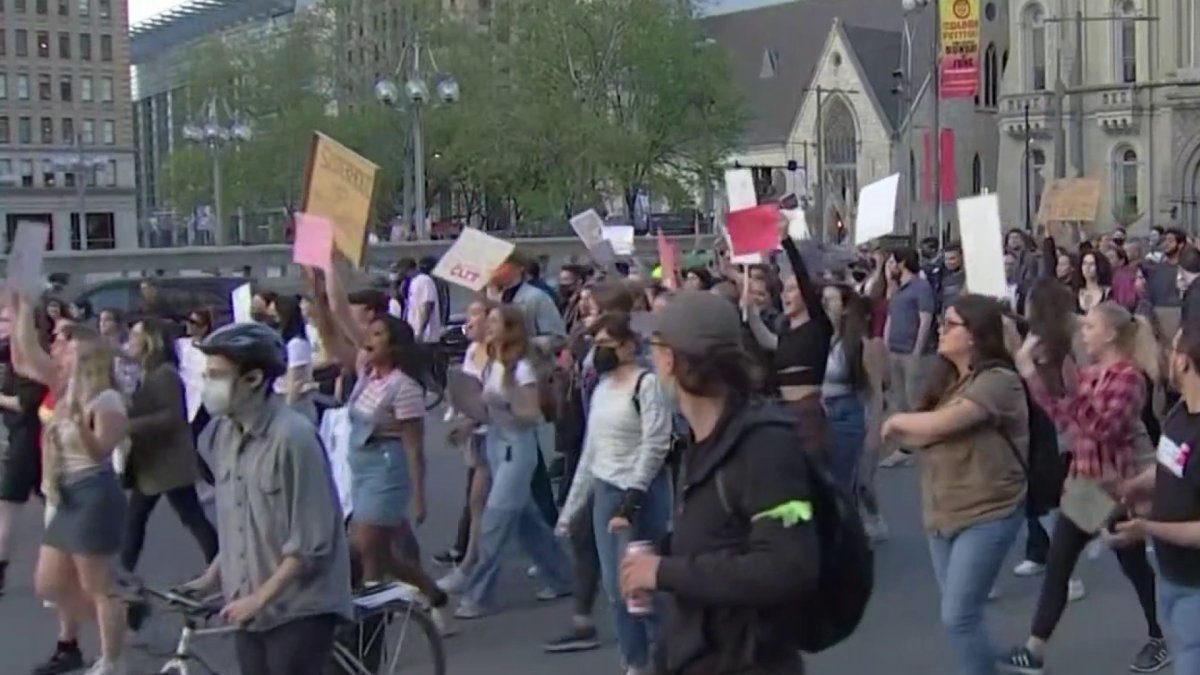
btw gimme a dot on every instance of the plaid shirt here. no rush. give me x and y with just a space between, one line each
1099 417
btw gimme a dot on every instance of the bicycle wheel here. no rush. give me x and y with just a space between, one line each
399 640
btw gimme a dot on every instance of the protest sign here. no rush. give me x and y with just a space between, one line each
1070 200
739 190
621 237
589 226
473 259
339 184
314 241
876 210
242 300
753 231
982 242
797 224
25 259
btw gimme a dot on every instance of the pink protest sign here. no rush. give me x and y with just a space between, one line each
314 241
753 230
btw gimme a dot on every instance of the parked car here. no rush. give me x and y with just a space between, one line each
177 295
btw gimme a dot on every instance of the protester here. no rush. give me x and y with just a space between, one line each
909 322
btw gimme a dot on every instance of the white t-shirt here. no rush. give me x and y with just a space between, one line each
191 370
494 396
299 354
422 290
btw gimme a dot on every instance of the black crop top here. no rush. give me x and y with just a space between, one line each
807 345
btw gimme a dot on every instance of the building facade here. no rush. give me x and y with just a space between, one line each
66 129
1108 89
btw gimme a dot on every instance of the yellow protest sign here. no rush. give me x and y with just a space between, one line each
1070 200
339 184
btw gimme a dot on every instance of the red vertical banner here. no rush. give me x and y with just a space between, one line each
946 168
927 167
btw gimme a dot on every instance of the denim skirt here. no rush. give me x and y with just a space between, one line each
90 516
380 486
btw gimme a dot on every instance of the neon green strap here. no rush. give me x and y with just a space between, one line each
788 513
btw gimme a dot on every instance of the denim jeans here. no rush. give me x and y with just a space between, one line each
510 512
1179 613
847 420
635 635
966 565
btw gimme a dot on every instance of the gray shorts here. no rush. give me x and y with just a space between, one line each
90 515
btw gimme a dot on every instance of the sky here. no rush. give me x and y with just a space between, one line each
140 10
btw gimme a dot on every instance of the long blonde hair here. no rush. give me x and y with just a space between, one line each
1135 338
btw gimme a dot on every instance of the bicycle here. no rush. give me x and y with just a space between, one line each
361 647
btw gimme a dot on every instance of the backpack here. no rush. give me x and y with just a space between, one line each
831 612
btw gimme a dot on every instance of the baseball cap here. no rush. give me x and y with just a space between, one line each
697 322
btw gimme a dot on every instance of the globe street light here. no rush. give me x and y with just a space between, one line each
214 133
416 94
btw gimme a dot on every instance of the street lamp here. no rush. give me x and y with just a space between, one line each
84 167
214 134
416 93
915 7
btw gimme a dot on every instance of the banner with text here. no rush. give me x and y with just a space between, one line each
959 68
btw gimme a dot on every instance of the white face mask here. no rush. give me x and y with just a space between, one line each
217 396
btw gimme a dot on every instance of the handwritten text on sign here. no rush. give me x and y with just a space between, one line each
473 259
340 185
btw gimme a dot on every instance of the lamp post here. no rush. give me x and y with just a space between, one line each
214 134
913 7
84 167
416 92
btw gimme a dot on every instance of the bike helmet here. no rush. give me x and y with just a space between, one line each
253 346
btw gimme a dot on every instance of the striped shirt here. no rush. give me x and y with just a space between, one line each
407 404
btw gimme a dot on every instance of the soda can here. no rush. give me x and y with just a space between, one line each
640 603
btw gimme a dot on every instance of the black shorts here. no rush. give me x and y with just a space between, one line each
20 472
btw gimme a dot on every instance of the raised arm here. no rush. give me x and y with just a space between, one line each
338 346
29 359
808 290
339 304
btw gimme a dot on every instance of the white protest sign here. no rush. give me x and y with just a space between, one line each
876 210
621 237
739 190
242 300
589 226
25 259
473 259
797 224
982 242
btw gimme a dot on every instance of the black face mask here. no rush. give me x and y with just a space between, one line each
605 360
565 292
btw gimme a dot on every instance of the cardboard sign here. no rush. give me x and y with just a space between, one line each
603 254
982 241
1070 200
754 230
242 300
339 184
473 259
621 237
26 257
876 210
668 258
314 241
589 226
739 190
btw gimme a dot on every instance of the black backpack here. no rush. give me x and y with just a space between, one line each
846 573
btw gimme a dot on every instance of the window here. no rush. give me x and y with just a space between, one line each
43 44
105 9
22 87
25 130
88 136
106 90
6 174
976 175
49 178
1035 47
64 89
68 131
3 87
19 5
108 132
1125 177
5 132
1033 181
64 7
991 77
21 37
64 45
26 175
42 7
47 131
85 7
840 151
110 172
45 87
3 42
69 181
1125 41
101 231
85 88
106 48
85 46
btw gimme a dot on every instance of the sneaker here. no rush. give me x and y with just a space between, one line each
578 639
897 459
1023 662
443 622
1152 658
994 594
531 571
548 594
103 667
66 658
468 610
876 528
454 582
448 558
1075 590
1028 568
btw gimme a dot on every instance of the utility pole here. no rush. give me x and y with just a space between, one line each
1028 177
936 81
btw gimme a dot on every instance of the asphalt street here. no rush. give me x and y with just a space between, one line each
901 633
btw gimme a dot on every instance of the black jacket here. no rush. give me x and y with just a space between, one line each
733 583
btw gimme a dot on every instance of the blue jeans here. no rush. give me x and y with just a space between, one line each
846 418
1179 613
634 634
510 512
966 565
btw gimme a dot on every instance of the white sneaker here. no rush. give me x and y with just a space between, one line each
896 459
994 594
443 622
531 571
104 667
454 582
1028 568
1096 548
1075 590
549 594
